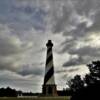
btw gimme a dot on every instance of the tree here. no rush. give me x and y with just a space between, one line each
8 92
89 87
76 83
94 69
94 76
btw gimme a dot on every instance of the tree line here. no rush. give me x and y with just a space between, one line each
9 92
87 88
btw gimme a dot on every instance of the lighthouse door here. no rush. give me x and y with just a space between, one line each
50 90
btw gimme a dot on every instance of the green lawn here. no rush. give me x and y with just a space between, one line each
36 98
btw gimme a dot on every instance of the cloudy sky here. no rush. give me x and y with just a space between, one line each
26 26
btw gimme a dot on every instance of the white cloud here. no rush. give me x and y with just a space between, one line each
24 83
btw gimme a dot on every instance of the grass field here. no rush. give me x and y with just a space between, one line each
35 98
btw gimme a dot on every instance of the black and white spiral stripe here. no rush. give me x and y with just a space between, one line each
49 72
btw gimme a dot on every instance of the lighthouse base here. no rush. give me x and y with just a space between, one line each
49 90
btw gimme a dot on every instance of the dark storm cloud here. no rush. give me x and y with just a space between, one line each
75 13
10 45
18 18
78 20
16 14
77 17
74 62
68 44
31 69
86 51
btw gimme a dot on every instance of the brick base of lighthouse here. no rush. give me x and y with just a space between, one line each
49 90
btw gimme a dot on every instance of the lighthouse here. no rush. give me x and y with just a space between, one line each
49 87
